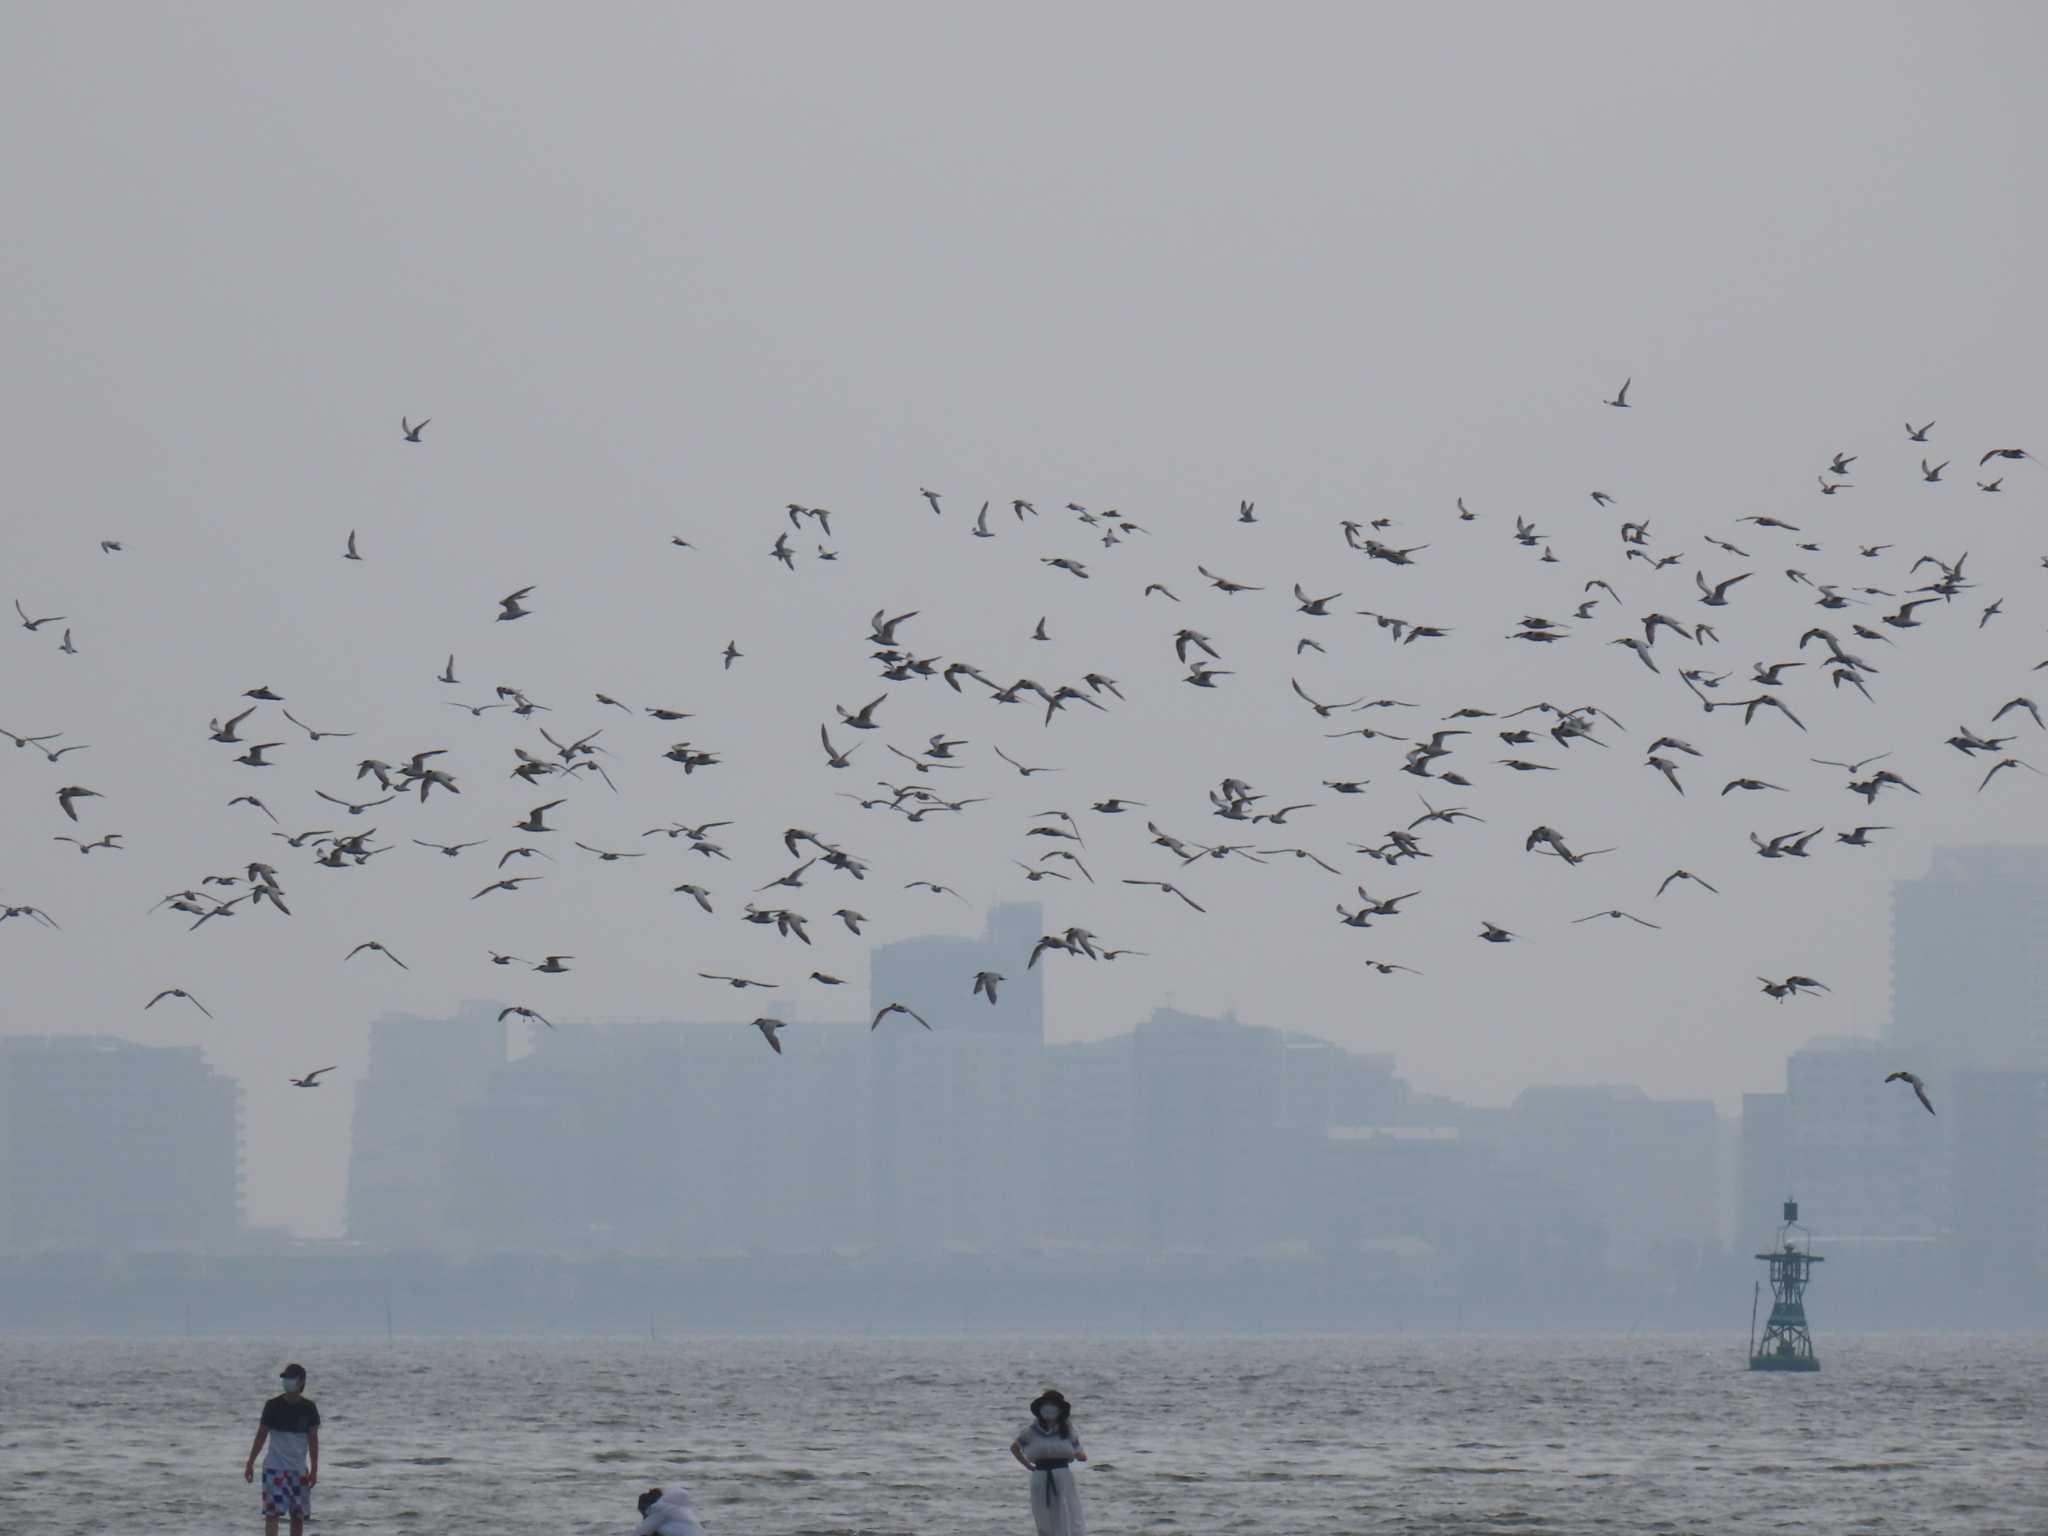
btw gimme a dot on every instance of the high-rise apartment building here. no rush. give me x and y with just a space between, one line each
1209 1099
423 1076
115 1147
2000 1190
1648 1168
1970 961
954 1112
1859 1154
664 1137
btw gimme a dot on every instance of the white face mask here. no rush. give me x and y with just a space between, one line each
1049 1414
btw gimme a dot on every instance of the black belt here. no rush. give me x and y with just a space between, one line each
1049 1466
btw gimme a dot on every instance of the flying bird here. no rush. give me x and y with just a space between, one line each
888 1008
187 996
1919 1088
1172 890
1617 912
73 792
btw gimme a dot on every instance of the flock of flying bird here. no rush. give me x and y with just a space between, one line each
1677 648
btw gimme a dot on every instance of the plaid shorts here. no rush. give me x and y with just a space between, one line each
285 1494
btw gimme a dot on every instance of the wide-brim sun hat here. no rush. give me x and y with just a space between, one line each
1050 1396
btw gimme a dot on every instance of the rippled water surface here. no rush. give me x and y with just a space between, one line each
1439 1435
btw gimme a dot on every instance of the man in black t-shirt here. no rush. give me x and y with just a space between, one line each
291 1425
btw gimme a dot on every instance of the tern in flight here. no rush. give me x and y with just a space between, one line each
72 792
310 732
522 1013
534 819
1022 771
510 883
1791 986
1919 1088
862 719
1172 890
350 806
888 1008
312 1078
413 430
2004 762
769 1028
112 840
1684 874
187 996
376 948
1616 912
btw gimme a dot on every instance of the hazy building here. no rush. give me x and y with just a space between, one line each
954 1132
111 1146
661 1137
1324 1085
933 974
1450 1212
1086 1142
423 1075
1648 1167
1209 1098
1970 961
1768 1174
1860 1155
956 1138
1187 1135
2000 1172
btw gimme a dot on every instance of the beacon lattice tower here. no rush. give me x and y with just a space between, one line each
1786 1345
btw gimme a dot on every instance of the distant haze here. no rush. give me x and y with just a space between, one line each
659 271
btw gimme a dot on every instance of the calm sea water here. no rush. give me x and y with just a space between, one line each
788 1436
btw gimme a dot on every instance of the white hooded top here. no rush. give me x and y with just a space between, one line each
670 1515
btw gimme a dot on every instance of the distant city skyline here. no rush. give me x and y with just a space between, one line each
431 1117
1184 1134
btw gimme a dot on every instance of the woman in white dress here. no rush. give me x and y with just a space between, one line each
1048 1446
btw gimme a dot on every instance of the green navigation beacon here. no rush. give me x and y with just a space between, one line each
1786 1344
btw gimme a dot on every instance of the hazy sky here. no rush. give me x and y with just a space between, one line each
659 270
